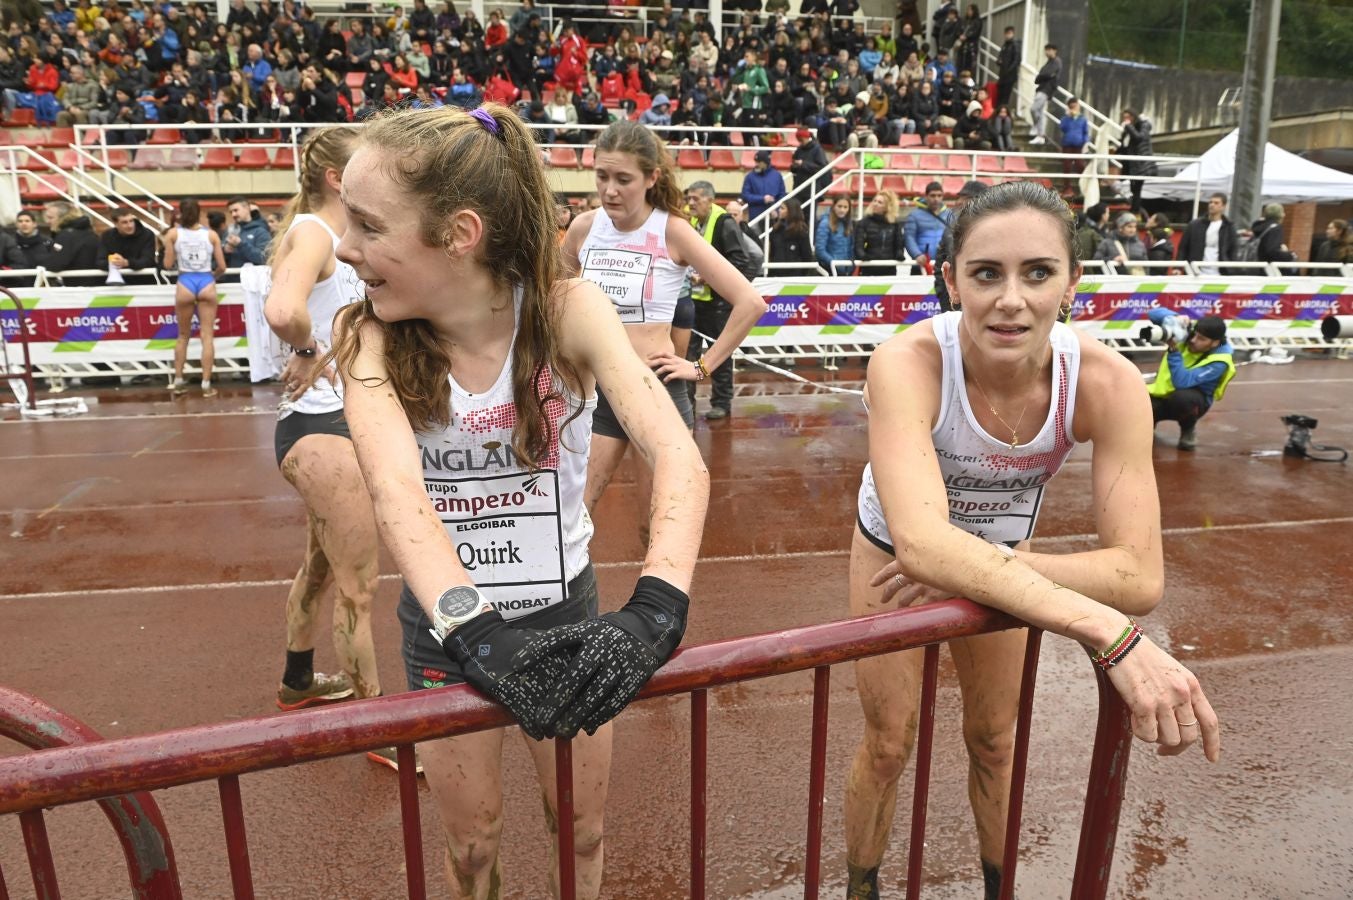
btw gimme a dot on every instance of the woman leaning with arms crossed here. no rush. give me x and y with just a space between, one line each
471 371
998 391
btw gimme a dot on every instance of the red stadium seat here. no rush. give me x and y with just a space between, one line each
150 158
898 184
66 159
589 156
958 163
563 158
22 117
36 139
60 137
781 159
219 158
285 158
938 140
37 191
723 160
910 140
931 162
988 164
952 185
355 79
35 159
5 139
165 136
1016 164
182 158
902 161
691 158
254 158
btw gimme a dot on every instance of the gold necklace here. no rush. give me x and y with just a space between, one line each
1014 431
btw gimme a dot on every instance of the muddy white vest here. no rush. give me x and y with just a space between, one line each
521 535
327 297
995 492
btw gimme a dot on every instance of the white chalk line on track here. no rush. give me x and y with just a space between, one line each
707 560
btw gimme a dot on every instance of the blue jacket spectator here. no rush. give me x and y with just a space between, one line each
249 242
760 183
1075 130
834 245
924 228
61 15
660 113
256 68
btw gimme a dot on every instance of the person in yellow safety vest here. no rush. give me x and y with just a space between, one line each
711 310
1191 379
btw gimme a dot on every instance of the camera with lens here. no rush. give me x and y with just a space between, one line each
1170 328
1299 430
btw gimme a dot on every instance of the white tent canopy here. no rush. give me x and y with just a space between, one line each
1287 177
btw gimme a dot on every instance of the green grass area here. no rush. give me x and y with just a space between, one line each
1315 40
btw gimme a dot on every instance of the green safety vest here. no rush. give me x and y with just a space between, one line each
1164 384
702 293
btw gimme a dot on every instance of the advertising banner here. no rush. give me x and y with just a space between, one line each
137 323
119 322
825 311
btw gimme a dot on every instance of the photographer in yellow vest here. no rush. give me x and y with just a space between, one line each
1192 377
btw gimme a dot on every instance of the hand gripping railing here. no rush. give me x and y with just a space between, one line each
34 781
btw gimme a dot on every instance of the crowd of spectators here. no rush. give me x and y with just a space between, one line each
138 62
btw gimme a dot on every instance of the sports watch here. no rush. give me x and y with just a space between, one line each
455 607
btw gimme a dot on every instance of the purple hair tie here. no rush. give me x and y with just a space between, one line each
488 121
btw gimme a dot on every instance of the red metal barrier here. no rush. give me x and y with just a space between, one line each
53 777
26 375
135 816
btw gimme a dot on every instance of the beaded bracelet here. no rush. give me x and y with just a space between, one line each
1117 651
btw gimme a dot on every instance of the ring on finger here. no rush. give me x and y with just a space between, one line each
898 580
1188 724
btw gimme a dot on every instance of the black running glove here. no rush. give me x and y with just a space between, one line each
515 667
617 654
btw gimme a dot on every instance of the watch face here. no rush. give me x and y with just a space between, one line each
458 602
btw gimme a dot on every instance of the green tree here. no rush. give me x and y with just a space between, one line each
1315 40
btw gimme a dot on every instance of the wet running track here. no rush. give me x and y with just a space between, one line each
147 549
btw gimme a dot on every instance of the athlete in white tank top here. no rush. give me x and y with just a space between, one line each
522 535
633 268
995 490
192 247
326 299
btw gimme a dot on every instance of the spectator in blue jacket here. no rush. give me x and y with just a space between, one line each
924 228
256 68
250 243
1075 137
762 186
834 243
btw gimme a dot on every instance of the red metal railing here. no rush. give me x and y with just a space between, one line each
25 375
135 817
32 782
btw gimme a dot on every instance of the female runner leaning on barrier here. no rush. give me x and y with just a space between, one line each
195 250
637 248
312 443
969 415
471 370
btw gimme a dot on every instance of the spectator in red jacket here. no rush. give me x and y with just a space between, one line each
402 74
